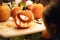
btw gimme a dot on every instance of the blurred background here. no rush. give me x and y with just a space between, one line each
12 3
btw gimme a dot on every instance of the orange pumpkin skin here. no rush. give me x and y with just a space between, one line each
37 10
24 23
5 12
15 10
21 24
46 35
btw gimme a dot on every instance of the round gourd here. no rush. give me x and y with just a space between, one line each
24 18
4 12
37 10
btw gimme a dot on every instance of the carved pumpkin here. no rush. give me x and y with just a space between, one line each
21 24
4 12
22 17
37 10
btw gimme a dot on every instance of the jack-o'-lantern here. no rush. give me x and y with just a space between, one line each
37 10
22 17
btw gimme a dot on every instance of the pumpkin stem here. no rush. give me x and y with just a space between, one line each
1 1
38 21
25 8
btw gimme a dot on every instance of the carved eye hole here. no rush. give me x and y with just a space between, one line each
25 18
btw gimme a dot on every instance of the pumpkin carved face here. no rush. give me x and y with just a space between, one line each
25 16
37 10
22 18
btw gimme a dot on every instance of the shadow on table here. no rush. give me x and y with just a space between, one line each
35 36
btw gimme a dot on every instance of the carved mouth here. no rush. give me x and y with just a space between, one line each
21 24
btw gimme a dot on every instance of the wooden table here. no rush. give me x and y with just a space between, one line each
6 30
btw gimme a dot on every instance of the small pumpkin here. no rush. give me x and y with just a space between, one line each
37 10
24 18
4 12
21 24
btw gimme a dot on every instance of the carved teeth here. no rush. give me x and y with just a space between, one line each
22 24
17 21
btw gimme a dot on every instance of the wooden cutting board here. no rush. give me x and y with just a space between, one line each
8 28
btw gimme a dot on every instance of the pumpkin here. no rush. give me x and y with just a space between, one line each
37 10
4 12
45 34
22 17
15 10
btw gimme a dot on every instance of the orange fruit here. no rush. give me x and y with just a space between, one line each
24 18
37 10
46 35
4 12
